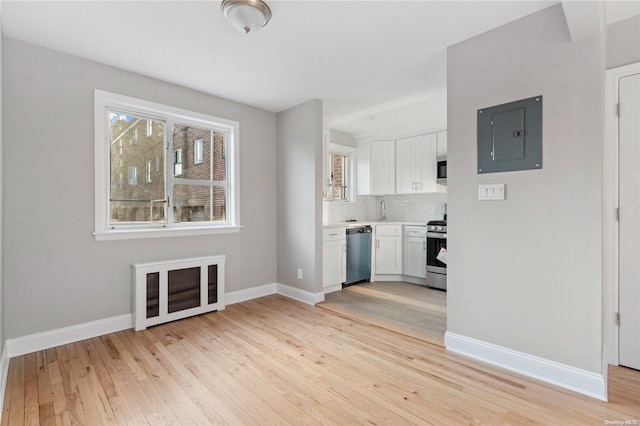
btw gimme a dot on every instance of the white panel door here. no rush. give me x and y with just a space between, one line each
442 145
389 255
405 166
414 257
383 167
629 291
426 162
333 263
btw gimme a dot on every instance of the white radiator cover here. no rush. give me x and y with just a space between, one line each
199 300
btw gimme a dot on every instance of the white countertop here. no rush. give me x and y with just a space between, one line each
372 223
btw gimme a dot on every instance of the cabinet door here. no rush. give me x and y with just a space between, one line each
415 257
442 145
333 263
405 166
426 163
363 169
383 161
388 255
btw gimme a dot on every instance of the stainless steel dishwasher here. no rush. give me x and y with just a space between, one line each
358 254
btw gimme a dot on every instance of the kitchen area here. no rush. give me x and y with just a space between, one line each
385 227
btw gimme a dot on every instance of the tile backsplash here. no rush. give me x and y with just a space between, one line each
400 208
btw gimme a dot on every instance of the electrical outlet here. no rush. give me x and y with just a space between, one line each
299 273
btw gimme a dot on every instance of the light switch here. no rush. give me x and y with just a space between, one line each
491 192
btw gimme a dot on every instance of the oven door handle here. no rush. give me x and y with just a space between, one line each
436 235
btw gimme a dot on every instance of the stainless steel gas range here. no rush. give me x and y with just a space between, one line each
436 241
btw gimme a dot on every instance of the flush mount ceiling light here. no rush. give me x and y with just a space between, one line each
246 15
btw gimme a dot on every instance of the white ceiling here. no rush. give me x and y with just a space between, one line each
364 59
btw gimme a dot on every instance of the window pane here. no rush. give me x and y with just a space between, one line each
338 176
134 200
196 203
219 157
184 139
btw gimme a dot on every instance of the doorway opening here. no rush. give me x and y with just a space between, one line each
621 226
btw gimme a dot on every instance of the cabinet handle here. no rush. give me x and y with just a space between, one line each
344 248
424 245
377 243
332 235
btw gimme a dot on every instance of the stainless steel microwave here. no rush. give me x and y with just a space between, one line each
442 172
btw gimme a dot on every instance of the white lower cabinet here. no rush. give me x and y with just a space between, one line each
388 248
334 259
415 251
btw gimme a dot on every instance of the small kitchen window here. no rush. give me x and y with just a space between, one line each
340 176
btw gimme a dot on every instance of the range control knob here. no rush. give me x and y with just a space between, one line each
440 228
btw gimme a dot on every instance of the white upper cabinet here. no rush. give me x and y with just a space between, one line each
376 167
416 164
442 145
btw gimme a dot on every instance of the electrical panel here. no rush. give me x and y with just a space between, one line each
510 136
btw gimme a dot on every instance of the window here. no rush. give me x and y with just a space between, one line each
177 162
339 173
132 175
198 151
186 197
148 172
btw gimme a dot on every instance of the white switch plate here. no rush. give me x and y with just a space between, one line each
491 192
299 273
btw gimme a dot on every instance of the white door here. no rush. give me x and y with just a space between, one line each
426 162
629 290
333 262
383 167
405 166
414 257
388 255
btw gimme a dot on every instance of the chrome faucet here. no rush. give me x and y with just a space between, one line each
383 213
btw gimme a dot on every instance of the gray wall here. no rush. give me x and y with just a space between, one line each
525 273
300 196
56 274
623 42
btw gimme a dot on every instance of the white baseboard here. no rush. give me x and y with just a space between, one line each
332 288
575 379
414 280
62 336
4 371
303 296
386 277
250 293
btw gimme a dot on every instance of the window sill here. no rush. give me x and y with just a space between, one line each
138 233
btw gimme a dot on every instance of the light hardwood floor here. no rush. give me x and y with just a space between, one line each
407 305
276 361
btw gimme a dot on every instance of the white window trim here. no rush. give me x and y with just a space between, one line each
104 100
